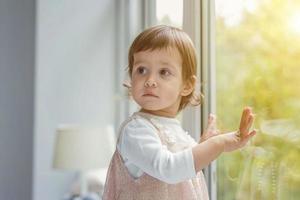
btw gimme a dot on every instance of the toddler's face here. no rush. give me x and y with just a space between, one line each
157 81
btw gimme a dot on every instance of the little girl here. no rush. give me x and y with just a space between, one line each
155 158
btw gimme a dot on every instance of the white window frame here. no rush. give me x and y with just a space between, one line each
199 23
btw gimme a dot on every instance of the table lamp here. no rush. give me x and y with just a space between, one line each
82 149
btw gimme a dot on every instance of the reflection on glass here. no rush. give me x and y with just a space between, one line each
257 58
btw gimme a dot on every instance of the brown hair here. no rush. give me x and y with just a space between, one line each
160 37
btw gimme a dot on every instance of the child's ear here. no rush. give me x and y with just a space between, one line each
127 84
189 86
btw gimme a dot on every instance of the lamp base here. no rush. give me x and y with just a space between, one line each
88 196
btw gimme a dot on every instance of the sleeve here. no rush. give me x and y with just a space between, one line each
140 144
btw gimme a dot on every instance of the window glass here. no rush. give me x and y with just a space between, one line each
257 63
169 12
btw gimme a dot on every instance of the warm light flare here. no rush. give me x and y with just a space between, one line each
294 22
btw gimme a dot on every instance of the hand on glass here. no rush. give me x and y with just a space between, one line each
211 129
239 139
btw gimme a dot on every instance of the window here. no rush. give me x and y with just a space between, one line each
257 45
169 12
257 64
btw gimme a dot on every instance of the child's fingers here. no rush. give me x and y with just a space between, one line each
211 129
211 122
211 118
244 117
246 127
247 120
250 121
249 136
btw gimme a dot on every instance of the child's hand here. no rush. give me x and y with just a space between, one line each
211 129
239 139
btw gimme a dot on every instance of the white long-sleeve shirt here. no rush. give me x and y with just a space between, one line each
143 152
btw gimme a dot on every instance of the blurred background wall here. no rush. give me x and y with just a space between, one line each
57 62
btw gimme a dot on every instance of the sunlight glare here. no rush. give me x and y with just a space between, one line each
232 10
294 22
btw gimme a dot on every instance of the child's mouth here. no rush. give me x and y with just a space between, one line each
149 95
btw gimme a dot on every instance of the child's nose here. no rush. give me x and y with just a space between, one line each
151 83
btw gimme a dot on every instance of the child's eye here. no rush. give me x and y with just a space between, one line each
141 70
165 72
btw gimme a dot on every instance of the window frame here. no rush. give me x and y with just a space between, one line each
199 23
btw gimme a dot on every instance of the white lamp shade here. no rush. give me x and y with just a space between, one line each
83 148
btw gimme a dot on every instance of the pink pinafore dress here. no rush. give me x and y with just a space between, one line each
120 185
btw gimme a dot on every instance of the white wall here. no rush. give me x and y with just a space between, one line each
75 61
